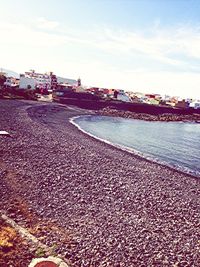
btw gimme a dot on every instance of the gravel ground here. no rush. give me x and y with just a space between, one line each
115 209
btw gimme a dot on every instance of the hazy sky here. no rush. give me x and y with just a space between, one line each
139 45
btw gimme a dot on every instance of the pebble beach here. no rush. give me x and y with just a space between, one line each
114 208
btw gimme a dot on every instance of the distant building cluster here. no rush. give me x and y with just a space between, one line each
41 81
34 80
138 97
164 100
50 82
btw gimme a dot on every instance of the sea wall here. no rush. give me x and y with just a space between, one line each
137 108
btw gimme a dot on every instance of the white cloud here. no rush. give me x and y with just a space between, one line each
26 35
159 46
45 24
26 46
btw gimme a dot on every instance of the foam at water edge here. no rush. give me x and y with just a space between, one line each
134 151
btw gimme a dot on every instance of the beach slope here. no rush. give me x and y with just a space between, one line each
113 208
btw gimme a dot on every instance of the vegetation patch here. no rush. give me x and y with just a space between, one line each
7 237
14 250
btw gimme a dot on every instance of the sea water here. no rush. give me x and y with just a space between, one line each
173 143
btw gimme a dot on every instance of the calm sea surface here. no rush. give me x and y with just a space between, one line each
174 143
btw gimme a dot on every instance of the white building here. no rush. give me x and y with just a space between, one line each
27 82
33 80
11 82
195 105
123 97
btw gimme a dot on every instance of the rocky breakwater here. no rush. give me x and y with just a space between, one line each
148 117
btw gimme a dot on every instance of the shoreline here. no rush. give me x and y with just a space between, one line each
115 209
135 152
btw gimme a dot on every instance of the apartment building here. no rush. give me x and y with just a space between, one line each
33 80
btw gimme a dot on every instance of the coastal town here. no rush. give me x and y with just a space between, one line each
100 133
46 83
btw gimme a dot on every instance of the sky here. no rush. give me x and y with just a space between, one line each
150 46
